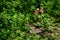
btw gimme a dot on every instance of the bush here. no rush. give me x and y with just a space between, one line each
14 14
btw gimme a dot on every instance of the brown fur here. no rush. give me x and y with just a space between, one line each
38 11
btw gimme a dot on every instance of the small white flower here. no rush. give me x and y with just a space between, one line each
37 8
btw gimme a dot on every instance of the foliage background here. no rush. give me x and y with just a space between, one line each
15 13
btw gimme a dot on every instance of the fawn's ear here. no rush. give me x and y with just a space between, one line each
41 10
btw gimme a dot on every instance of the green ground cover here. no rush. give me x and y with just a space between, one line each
14 14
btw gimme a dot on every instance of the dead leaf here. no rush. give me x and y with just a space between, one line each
34 29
